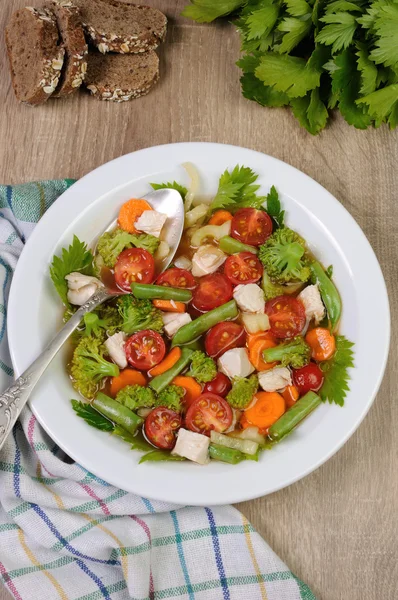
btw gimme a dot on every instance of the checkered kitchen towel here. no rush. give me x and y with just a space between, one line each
65 534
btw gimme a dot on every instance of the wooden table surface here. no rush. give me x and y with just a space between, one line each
337 528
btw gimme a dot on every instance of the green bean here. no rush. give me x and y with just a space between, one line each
224 454
159 382
148 291
117 413
160 455
229 245
287 422
189 332
330 295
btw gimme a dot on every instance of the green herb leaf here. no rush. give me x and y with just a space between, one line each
385 27
288 74
205 11
237 189
329 271
295 30
336 374
172 185
274 207
310 112
76 258
383 104
298 8
368 71
160 456
91 416
137 441
261 22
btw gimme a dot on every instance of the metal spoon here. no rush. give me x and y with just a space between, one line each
15 397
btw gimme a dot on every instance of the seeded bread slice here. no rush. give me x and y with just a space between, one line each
114 26
121 77
35 56
72 34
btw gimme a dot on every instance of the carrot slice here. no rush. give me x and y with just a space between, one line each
173 356
322 342
126 377
220 217
192 388
291 395
130 212
267 409
169 306
261 335
256 354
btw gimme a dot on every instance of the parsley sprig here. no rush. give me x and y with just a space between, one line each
237 189
76 258
335 371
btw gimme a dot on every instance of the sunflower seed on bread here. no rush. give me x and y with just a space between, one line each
114 26
72 34
35 55
121 77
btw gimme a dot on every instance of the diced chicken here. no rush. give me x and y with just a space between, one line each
183 262
81 287
312 301
235 363
207 259
250 298
193 446
174 321
275 379
151 221
115 348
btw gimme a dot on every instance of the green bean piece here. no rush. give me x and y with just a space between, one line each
159 382
224 454
229 245
189 332
287 422
148 291
160 456
330 295
117 413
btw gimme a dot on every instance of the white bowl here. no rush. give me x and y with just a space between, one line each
335 238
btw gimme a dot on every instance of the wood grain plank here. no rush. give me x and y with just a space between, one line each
337 528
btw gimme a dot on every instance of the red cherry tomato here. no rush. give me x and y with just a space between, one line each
161 426
209 412
220 385
145 349
223 337
179 278
212 291
286 316
243 268
251 226
134 265
308 378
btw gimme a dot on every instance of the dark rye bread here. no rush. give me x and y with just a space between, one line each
72 34
35 56
114 26
121 77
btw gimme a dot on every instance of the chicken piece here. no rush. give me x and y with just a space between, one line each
115 348
275 379
183 262
81 287
207 259
250 298
151 221
174 321
312 301
193 446
235 363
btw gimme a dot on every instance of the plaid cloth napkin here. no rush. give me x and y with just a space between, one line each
66 534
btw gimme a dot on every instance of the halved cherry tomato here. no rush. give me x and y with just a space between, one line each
145 349
308 378
209 412
223 337
134 265
212 291
286 316
243 268
220 385
251 226
179 278
161 426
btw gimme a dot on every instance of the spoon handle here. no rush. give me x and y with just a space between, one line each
15 397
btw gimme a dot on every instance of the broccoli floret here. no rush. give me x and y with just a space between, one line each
271 290
171 397
283 256
89 366
136 396
138 314
112 243
295 353
203 368
109 314
243 390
